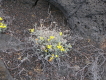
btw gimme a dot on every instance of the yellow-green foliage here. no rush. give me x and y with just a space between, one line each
3 26
51 43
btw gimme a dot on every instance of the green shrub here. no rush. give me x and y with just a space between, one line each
3 26
51 43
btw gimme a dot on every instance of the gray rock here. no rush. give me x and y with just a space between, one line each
86 17
104 0
9 42
4 73
104 72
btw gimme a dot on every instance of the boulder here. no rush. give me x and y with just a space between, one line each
4 73
85 17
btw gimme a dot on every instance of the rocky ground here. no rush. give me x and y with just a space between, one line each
84 61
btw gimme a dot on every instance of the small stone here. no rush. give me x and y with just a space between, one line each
76 68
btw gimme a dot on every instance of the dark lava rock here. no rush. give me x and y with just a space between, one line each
104 0
4 73
86 17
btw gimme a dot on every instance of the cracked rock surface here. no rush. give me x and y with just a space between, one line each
87 17
4 74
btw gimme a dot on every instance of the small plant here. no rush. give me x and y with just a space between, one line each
51 43
3 26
